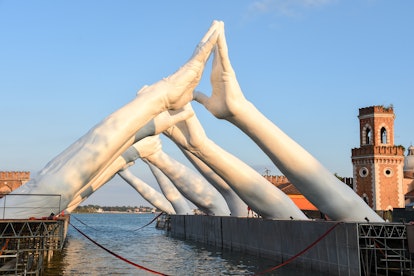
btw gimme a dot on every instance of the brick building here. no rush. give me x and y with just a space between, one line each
378 163
11 180
382 175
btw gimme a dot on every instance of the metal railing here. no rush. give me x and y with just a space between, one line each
45 204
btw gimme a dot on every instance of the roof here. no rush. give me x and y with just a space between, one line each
288 189
302 202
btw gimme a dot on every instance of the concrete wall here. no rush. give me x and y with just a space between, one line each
336 254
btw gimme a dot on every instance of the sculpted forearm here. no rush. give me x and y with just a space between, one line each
191 185
308 175
251 187
237 206
147 192
177 200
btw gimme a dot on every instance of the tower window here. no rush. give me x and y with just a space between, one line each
383 135
368 137
363 172
388 172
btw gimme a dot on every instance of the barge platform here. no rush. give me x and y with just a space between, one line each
328 247
25 245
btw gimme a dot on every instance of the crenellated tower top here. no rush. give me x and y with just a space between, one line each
379 109
376 126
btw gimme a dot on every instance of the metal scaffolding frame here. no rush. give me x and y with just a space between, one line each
26 243
383 249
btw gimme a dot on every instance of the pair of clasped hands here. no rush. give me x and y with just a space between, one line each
177 119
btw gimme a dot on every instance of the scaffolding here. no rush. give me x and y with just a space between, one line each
25 244
384 249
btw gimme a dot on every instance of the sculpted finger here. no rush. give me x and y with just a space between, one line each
181 116
186 79
200 97
215 26
222 53
210 37
171 132
204 48
176 135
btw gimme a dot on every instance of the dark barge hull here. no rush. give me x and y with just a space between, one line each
338 248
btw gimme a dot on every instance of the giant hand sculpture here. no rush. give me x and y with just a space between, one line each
191 185
261 196
314 181
173 195
155 126
97 149
147 192
236 205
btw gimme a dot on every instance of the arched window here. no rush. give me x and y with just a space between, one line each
383 135
368 136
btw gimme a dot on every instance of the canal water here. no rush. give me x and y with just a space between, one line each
149 248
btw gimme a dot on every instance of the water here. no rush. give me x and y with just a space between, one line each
147 247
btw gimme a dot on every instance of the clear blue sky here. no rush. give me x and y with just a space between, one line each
308 65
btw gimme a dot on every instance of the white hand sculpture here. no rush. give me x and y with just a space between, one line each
158 124
236 205
176 90
162 122
258 193
174 196
155 198
96 150
191 185
314 181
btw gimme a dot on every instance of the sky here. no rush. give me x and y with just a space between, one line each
307 65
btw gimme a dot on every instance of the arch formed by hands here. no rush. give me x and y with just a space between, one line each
164 107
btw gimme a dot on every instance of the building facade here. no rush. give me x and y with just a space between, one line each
11 180
378 163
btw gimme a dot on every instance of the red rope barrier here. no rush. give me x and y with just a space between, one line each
301 252
116 255
154 219
72 216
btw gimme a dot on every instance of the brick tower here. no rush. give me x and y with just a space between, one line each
378 163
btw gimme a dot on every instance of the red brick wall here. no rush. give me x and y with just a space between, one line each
390 185
11 180
379 158
363 185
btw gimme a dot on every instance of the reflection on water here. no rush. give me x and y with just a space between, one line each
147 247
